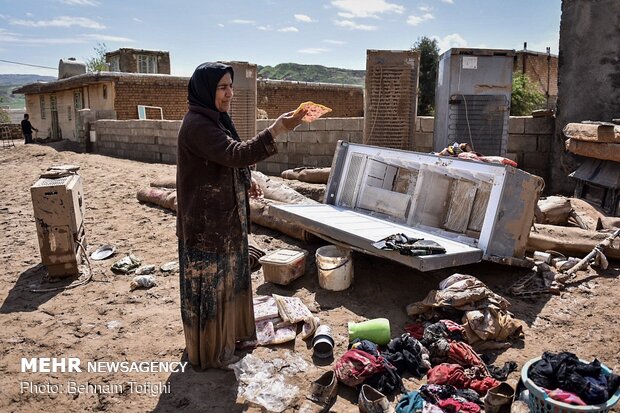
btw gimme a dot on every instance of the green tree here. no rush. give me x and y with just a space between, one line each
4 116
97 63
525 96
429 61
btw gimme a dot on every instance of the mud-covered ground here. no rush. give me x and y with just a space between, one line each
105 321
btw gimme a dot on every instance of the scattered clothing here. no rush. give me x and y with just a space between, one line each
565 371
411 402
409 246
501 373
355 366
455 375
408 354
565 397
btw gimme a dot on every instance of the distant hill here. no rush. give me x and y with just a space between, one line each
312 73
11 81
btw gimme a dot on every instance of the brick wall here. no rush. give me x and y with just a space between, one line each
313 144
279 96
169 93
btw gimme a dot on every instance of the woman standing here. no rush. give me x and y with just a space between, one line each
213 181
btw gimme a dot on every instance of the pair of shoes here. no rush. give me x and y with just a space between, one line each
373 401
324 390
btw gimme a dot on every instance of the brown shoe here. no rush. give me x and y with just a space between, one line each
324 390
373 401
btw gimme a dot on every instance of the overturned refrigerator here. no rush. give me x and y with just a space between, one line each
474 211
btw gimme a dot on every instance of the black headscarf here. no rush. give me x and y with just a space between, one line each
201 92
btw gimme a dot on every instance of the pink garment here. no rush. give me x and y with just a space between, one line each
565 397
457 376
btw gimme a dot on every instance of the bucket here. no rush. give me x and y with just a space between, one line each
335 266
323 342
376 330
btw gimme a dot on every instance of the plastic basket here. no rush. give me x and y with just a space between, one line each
540 402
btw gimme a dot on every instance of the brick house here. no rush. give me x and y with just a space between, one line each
542 70
54 106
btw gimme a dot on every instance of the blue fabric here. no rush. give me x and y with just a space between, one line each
410 403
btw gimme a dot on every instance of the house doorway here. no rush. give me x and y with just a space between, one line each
56 133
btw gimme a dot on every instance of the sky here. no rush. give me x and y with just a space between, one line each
333 33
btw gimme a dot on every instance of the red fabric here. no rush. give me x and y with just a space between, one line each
464 355
455 375
482 385
415 330
355 366
452 326
445 373
565 396
453 406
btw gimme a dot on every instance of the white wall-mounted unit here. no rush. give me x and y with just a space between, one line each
472 99
474 210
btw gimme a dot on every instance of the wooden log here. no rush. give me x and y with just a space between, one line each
279 191
307 174
592 132
570 241
259 214
606 151
589 214
165 182
162 197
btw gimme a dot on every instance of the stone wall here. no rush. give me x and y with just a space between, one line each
279 96
313 144
14 131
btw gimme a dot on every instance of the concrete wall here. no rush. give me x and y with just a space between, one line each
588 75
279 96
14 130
141 140
313 144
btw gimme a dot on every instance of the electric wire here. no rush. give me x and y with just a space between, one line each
74 284
27 64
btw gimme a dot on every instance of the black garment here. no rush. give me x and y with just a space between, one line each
405 353
26 127
201 92
501 373
565 371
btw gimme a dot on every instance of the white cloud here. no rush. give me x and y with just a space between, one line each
220 25
415 20
313 50
289 29
340 42
80 2
448 1
62 21
365 8
107 38
303 18
354 26
425 9
267 28
450 41
8 37
137 20
241 21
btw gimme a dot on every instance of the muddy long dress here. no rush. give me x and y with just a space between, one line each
212 227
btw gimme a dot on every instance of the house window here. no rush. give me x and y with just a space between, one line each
147 64
77 100
42 106
53 105
69 113
115 64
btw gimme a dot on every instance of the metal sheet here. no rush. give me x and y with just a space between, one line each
360 231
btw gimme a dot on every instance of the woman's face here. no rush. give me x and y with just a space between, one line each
224 93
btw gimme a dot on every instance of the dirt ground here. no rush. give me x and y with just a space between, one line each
105 321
